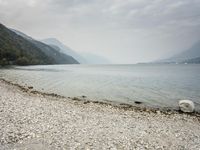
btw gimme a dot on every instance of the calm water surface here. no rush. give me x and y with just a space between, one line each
155 85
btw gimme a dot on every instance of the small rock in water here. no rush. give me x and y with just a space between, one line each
138 102
83 96
186 105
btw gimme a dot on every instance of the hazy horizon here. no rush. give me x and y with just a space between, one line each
124 32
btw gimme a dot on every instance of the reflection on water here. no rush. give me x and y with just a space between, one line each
156 85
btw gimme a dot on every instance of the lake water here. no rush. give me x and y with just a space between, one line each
155 85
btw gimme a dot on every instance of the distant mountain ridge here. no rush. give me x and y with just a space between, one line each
63 48
193 61
190 55
83 58
16 48
95 59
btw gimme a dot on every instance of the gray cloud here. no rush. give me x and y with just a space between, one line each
124 31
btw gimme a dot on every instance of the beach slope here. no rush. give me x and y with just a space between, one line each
36 121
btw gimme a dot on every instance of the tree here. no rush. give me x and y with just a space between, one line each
4 62
22 61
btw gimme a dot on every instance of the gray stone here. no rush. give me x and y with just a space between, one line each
186 105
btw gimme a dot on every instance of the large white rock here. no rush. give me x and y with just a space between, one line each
186 105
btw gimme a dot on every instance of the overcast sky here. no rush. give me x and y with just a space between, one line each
123 31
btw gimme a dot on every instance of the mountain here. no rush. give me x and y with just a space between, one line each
64 49
95 59
22 34
83 58
192 61
50 51
190 55
17 49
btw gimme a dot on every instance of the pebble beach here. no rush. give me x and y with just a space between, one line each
34 121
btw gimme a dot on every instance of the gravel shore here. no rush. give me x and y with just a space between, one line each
36 121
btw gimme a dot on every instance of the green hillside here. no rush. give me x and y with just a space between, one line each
16 50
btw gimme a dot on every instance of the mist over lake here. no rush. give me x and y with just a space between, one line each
153 84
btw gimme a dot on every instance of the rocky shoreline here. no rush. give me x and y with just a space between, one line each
83 100
31 119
